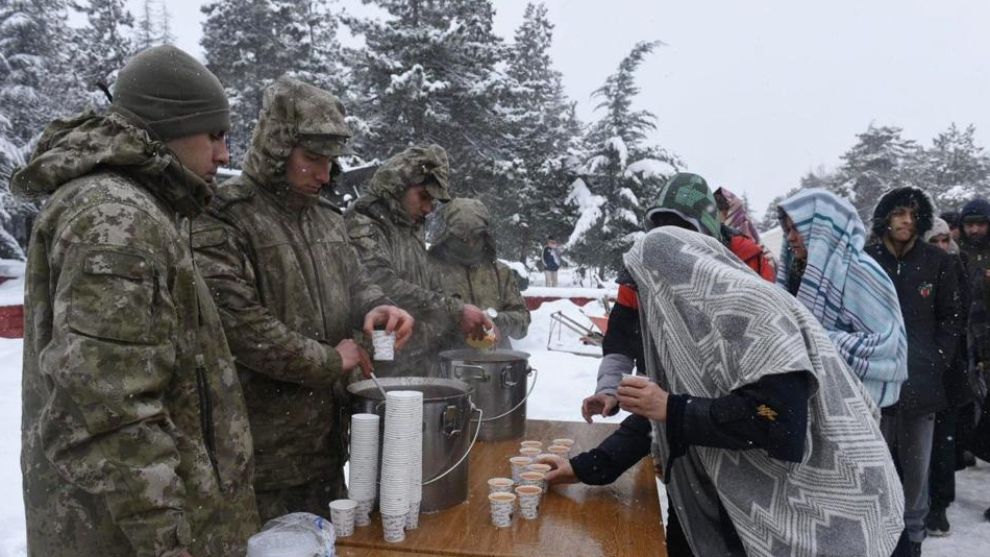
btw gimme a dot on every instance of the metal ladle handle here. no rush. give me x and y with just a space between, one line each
536 375
467 452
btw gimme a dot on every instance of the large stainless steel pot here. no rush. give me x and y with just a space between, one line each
447 432
498 379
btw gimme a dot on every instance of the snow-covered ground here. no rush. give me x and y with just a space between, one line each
564 380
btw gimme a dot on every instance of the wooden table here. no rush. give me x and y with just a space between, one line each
575 520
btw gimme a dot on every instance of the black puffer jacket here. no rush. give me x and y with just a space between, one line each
928 291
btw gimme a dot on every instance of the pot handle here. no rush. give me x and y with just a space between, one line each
483 376
536 374
466 453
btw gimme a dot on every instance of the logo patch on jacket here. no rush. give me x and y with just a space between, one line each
766 412
925 289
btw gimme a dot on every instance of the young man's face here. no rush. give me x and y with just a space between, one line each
202 153
903 224
307 172
417 202
794 240
942 241
976 230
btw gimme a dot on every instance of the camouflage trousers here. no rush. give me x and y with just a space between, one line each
312 497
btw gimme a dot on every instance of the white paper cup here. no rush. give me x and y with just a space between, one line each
530 452
539 467
502 505
362 514
519 464
500 485
384 345
531 444
563 441
533 478
560 450
342 513
529 501
394 527
412 518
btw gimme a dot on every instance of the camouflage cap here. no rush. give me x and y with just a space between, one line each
420 165
294 113
326 145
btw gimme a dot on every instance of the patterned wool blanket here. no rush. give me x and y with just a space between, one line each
848 292
711 326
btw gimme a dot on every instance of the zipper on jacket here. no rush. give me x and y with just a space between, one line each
206 414
316 275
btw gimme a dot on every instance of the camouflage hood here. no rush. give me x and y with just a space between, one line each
466 225
294 113
688 196
72 148
415 165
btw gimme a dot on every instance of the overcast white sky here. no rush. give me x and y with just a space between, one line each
754 94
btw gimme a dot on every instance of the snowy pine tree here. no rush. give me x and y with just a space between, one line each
250 43
954 169
880 160
429 74
545 133
105 46
623 174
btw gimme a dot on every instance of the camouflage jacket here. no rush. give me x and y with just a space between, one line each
135 438
391 247
289 288
464 259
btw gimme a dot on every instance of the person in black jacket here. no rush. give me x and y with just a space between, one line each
928 292
959 395
551 261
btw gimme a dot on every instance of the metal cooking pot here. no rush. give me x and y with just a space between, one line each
498 381
447 441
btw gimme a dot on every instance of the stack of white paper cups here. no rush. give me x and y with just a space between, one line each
402 430
364 465
416 469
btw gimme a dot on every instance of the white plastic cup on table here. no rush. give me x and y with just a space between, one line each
519 464
531 444
500 485
559 450
502 505
342 513
529 501
394 527
539 467
533 478
530 452
412 517
569 443
362 515
384 345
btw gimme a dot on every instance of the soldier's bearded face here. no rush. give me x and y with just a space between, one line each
307 172
202 153
417 202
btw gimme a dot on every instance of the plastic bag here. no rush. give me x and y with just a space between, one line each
294 535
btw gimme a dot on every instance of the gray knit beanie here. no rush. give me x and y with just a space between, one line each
171 94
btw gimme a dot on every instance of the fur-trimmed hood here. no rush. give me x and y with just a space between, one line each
900 197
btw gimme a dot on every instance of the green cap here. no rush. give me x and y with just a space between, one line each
171 94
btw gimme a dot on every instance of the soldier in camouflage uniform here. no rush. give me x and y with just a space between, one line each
135 437
291 293
386 227
464 259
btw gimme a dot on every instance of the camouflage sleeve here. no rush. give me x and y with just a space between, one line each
366 294
513 316
110 362
370 244
258 340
